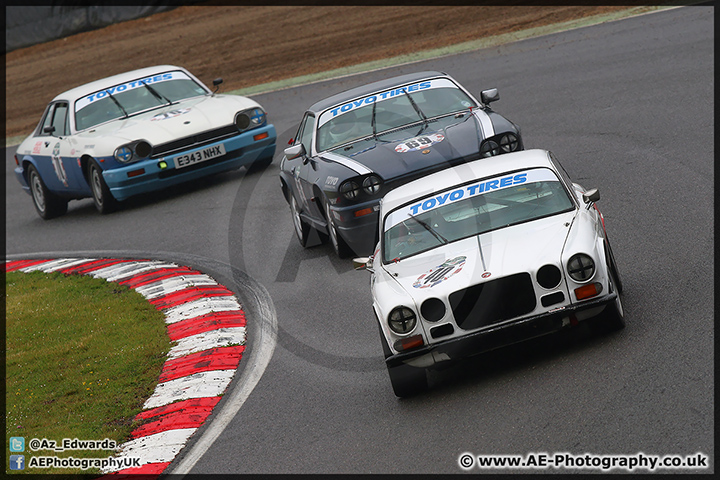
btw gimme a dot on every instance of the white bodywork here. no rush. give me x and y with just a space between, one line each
501 252
157 126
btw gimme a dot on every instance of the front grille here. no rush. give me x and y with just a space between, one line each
194 141
442 331
552 299
492 302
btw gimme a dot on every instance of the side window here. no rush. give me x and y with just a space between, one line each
60 119
307 132
47 121
56 116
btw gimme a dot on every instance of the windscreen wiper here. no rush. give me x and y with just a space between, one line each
374 127
430 229
112 97
417 109
156 94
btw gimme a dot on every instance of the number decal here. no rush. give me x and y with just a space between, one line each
419 142
58 165
440 273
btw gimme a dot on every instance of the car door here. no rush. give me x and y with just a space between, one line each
302 167
54 152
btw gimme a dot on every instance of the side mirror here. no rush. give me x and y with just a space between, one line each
295 151
363 263
591 196
50 129
490 95
216 84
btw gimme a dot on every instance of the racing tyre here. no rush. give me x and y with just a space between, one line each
615 318
104 201
613 268
408 381
341 248
386 349
47 204
302 229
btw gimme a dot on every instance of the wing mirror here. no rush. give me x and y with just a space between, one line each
50 129
591 196
363 263
216 84
490 95
295 151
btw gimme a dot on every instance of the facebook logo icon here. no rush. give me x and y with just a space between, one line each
17 462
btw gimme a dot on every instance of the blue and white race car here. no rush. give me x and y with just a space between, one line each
138 132
483 255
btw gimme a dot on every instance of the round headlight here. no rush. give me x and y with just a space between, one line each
143 149
508 143
350 190
489 148
371 184
581 267
402 320
549 276
432 309
242 120
123 154
257 117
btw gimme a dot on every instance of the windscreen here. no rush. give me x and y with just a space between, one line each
388 110
473 209
135 96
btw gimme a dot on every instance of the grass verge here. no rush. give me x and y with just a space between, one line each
82 356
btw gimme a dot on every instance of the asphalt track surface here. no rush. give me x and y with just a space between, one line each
627 106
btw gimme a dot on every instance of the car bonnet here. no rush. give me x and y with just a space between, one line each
416 149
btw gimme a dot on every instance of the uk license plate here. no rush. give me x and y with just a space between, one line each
198 156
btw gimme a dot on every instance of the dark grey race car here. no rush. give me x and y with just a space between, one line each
352 148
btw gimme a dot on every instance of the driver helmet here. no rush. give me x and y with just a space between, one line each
344 128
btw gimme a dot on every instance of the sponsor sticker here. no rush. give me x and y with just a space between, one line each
335 112
439 274
420 142
58 165
139 83
170 114
467 191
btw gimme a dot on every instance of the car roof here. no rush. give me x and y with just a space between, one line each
88 88
369 88
481 168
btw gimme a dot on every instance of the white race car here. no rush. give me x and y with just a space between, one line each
138 132
483 255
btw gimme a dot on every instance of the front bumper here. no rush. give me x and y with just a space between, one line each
147 175
499 336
